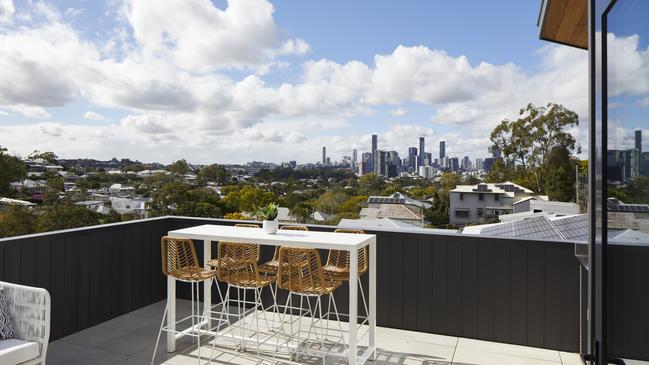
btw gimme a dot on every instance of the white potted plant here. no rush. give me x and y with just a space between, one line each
269 216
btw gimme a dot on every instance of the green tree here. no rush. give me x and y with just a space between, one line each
65 215
49 157
302 211
560 175
213 173
180 167
247 199
330 202
449 180
370 184
16 220
437 214
470 180
11 169
178 198
527 141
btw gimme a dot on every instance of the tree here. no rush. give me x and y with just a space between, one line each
11 169
330 202
370 184
178 198
236 216
560 175
65 215
302 211
213 173
470 180
437 214
180 167
527 141
500 173
16 220
247 199
49 157
449 181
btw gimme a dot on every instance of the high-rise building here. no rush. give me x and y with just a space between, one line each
380 163
426 172
466 164
374 147
366 163
427 159
454 163
478 164
354 157
638 141
324 155
412 158
496 153
623 165
442 150
421 151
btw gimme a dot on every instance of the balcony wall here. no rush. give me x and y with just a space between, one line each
519 292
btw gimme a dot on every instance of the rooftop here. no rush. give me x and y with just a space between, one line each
130 338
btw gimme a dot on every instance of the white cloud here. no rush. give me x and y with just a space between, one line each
201 37
399 112
171 74
90 115
7 11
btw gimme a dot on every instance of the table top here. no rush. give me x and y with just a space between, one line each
312 239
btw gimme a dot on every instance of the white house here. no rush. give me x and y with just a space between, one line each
475 203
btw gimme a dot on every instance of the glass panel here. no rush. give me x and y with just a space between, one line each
627 178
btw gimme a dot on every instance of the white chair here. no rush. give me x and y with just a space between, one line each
29 310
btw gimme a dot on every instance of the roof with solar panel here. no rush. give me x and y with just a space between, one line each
616 205
397 198
544 227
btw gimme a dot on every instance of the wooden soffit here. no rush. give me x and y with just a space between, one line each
564 22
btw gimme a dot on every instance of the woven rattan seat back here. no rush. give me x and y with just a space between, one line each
247 225
250 225
238 264
287 228
300 271
294 228
339 259
178 254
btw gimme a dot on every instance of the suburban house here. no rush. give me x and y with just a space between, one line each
397 207
475 203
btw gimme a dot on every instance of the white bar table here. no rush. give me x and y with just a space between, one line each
311 239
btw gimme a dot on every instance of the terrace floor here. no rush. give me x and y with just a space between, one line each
130 339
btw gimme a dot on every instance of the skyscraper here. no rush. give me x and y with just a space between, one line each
324 155
412 158
638 141
421 151
374 147
442 150
496 153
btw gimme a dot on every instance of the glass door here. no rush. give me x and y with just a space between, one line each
624 199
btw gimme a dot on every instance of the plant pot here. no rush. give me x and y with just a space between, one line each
270 227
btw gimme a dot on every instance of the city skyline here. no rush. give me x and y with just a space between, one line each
136 86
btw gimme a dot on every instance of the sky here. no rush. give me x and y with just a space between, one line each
241 80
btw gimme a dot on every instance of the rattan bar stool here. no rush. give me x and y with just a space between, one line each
214 263
271 267
337 267
179 261
237 266
301 273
